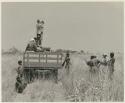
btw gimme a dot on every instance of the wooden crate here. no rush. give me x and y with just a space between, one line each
42 60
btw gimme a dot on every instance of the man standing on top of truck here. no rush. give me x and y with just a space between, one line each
39 28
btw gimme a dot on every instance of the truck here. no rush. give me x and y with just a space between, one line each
42 62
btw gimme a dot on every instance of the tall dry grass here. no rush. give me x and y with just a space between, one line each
79 85
82 85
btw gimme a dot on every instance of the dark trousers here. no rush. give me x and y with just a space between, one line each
39 39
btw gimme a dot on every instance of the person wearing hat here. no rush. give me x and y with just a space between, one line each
31 45
103 69
104 60
90 63
93 63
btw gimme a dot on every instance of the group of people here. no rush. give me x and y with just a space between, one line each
96 63
92 63
35 44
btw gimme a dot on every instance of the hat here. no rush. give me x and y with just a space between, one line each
112 54
38 20
104 55
42 21
92 57
32 39
67 53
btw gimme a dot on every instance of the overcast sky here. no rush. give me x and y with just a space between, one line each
77 26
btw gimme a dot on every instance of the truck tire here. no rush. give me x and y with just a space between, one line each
55 75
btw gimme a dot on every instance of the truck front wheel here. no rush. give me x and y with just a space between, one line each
55 75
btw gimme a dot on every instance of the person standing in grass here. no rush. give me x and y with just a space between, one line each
20 69
103 70
104 60
111 63
20 84
94 65
66 62
94 62
90 63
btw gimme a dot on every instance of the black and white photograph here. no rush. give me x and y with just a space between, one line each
62 51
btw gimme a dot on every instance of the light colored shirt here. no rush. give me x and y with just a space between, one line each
39 28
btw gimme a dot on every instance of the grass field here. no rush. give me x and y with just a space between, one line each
79 85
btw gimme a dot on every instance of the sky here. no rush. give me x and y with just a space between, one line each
89 26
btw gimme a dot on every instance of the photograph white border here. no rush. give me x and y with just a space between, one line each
51 1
